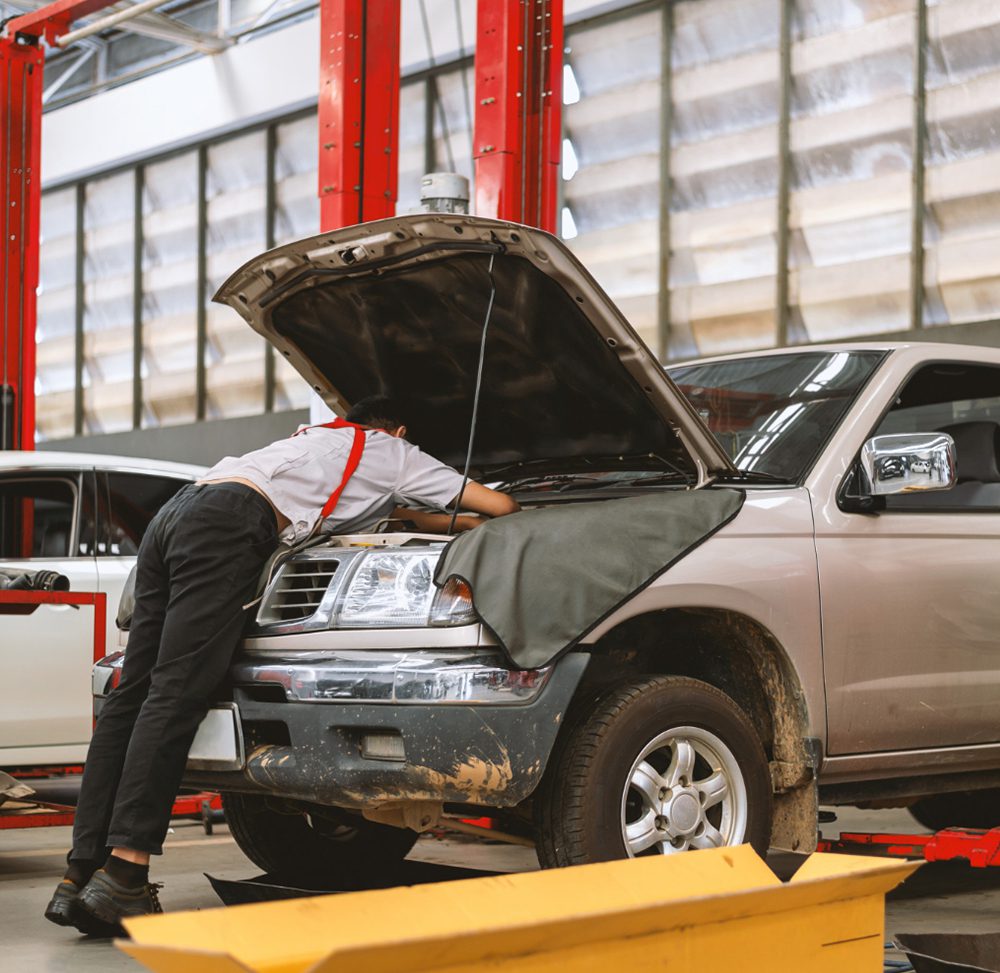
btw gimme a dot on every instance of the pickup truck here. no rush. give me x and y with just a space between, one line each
835 642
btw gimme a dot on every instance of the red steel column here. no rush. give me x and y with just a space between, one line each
358 111
518 136
21 62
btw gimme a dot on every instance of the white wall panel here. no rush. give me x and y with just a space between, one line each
260 77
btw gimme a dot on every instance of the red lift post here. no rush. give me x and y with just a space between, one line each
358 111
518 126
21 64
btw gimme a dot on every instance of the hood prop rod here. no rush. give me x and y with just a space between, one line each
475 397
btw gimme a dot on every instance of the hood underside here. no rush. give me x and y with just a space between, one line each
397 307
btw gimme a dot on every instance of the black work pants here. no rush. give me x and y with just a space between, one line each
198 565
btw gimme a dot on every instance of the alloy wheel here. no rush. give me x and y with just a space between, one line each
685 791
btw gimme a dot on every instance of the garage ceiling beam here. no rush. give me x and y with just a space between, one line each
152 24
52 19
162 27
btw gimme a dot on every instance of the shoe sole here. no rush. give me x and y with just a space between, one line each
60 913
98 906
70 914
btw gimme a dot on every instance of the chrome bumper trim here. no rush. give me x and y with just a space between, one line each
467 678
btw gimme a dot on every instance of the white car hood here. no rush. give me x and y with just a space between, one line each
397 307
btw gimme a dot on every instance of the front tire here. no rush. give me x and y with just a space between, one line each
284 842
658 766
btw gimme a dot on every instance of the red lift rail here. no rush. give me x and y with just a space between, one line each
981 849
45 814
25 602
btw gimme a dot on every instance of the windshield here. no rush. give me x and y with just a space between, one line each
774 414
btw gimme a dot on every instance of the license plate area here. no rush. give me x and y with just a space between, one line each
218 744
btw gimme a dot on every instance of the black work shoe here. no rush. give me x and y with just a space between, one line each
64 910
106 900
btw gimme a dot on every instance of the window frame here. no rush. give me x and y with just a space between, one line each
75 480
102 545
807 469
848 504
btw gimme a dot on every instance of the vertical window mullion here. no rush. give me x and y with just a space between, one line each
666 127
784 171
430 106
137 243
81 196
200 381
918 197
270 214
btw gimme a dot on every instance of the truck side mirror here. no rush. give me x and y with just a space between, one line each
907 463
902 463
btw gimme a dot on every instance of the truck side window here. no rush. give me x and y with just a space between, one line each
132 501
962 400
37 518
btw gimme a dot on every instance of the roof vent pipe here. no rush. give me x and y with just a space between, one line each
444 192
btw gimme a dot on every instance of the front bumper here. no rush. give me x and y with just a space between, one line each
460 740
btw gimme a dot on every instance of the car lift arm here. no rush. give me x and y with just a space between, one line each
981 849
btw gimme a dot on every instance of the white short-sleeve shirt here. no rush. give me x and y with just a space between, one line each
298 475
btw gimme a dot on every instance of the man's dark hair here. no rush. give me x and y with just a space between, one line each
377 411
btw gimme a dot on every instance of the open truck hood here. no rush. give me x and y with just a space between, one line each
397 307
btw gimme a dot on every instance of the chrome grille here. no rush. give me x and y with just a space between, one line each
297 591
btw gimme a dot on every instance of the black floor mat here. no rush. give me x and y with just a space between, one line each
951 952
269 888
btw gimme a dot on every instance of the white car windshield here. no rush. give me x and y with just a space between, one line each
775 413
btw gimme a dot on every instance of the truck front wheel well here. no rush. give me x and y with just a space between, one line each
739 656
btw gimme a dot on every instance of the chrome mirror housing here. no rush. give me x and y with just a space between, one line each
908 463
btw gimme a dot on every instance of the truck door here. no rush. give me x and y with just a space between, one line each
911 595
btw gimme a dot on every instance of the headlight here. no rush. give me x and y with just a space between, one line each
395 588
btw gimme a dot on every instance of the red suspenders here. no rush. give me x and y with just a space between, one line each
354 457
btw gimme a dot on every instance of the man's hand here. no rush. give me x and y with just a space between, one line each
475 497
466 521
432 523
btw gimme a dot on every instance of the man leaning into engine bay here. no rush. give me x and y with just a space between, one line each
197 571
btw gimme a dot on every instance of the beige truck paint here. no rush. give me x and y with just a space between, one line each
912 668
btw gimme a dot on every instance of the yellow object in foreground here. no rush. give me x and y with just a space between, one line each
721 909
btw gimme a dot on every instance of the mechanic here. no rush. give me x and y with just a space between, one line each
198 567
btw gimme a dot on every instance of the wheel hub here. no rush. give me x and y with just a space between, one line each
685 791
682 812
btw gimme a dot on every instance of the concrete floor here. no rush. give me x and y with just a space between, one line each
939 898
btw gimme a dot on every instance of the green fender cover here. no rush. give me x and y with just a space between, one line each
542 579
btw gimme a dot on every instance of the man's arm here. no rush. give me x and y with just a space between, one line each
425 481
476 497
483 500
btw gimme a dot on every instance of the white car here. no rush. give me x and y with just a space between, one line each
82 515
